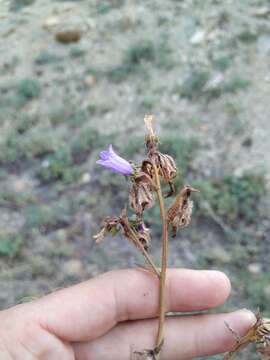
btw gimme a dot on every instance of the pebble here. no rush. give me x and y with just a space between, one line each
220 254
254 268
197 38
86 177
73 267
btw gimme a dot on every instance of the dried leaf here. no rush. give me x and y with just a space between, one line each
259 334
99 237
110 226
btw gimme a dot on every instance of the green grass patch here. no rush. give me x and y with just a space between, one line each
46 218
37 142
143 50
247 36
194 83
134 146
58 167
76 52
77 118
46 57
233 198
222 63
10 149
140 53
15 200
181 149
16 5
235 84
256 290
25 122
10 244
86 140
29 88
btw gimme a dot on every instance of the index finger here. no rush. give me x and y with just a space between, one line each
87 310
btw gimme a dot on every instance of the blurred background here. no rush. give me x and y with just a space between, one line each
76 76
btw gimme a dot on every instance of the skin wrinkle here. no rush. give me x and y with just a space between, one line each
200 335
28 351
119 314
124 312
4 351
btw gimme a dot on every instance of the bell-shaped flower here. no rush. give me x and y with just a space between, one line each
116 163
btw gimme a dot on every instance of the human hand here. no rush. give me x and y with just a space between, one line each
111 316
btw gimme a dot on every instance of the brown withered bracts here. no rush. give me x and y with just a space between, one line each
258 334
179 214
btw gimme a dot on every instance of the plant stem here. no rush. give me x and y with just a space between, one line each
144 252
164 261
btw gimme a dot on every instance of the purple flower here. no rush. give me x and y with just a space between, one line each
112 161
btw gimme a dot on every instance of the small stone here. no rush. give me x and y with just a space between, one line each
51 22
73 267
220 254
68 36
86 177
90 80
197 38
20 185
262 12
45 163
60 234
254 268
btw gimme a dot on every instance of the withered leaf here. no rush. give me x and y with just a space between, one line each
100 236
259 334
110 226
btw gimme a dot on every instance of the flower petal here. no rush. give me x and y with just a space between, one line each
105 155
111 160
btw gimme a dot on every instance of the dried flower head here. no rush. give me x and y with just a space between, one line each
148 120
141 197
143 235
165 163
110 226
135 231
258 334
179 214
166 168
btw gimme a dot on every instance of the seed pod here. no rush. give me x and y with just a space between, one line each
179 214
141 193
166 166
